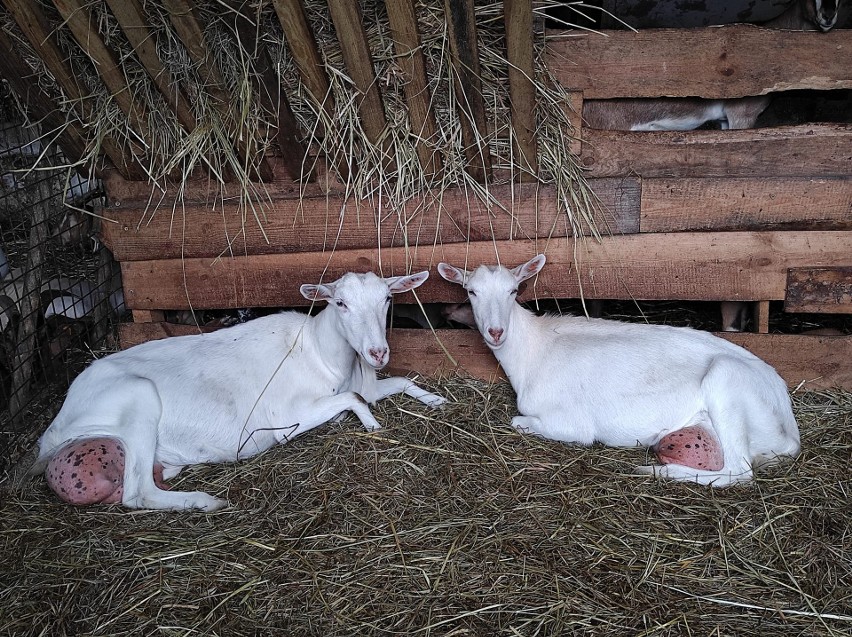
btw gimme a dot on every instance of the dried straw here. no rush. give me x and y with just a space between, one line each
448 523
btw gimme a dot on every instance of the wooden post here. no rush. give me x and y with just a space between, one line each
519 53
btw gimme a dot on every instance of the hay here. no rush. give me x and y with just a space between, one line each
448 523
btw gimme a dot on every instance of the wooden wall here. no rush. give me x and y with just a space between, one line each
755 215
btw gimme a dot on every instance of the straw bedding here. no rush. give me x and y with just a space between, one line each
448 522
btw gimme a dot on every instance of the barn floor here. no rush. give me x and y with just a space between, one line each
448 522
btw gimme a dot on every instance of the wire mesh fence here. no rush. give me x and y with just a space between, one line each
60 290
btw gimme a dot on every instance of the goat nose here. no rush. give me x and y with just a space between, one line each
496 333
378 354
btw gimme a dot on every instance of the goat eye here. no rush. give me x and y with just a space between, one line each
471 293
514 292
388 300
339 303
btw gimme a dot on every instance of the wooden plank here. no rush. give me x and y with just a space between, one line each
813 150
461 27
812 362
684 266
761 317
409 56
148 316
748 203
316 224
348 23
40 106
519 53
131 17
303 48
268 86
820 290
186 25
42 37
716 62
79 22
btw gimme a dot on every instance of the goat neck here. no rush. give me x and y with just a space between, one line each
333 350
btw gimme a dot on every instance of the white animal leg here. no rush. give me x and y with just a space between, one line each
723 478
138 420
400 385
326 408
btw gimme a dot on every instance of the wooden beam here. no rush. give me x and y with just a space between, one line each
268 86
323 223
188 29
729 266
131 17
716 62
812 150
461 27
519 53
812 362
820 290
303 48
409 56
42 37
747 203
77 18
41 107
348 23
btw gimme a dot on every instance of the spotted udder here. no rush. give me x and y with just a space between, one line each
91 472
693 447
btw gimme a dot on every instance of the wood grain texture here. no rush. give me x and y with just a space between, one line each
461 28
316 224
406 40
716 62
819 290
519 54
812 362
303 48
348 23
77 18
813 150
131 17
748 203
678 266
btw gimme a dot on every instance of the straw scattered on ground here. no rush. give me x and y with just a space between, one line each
448 522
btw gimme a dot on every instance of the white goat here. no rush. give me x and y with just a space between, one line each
709 408
230 394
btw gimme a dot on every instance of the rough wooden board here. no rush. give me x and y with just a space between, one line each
288 226
349 25
819 290
519 54
819 362
748 203
683 266
402 20
716 62
461 30
131 17
813 150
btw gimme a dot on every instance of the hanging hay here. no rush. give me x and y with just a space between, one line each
387 174
448 522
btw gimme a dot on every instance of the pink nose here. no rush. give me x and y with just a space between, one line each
496 333
378 354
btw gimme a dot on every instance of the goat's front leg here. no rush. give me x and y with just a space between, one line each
400 385
326 408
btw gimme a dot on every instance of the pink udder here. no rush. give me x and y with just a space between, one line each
91 472
693 447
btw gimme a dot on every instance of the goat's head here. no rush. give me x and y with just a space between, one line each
361 302
823 13
492 291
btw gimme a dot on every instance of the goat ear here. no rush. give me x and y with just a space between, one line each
453 274
398 284
317 292
529 269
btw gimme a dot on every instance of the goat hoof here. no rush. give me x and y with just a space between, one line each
433 400
645 470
